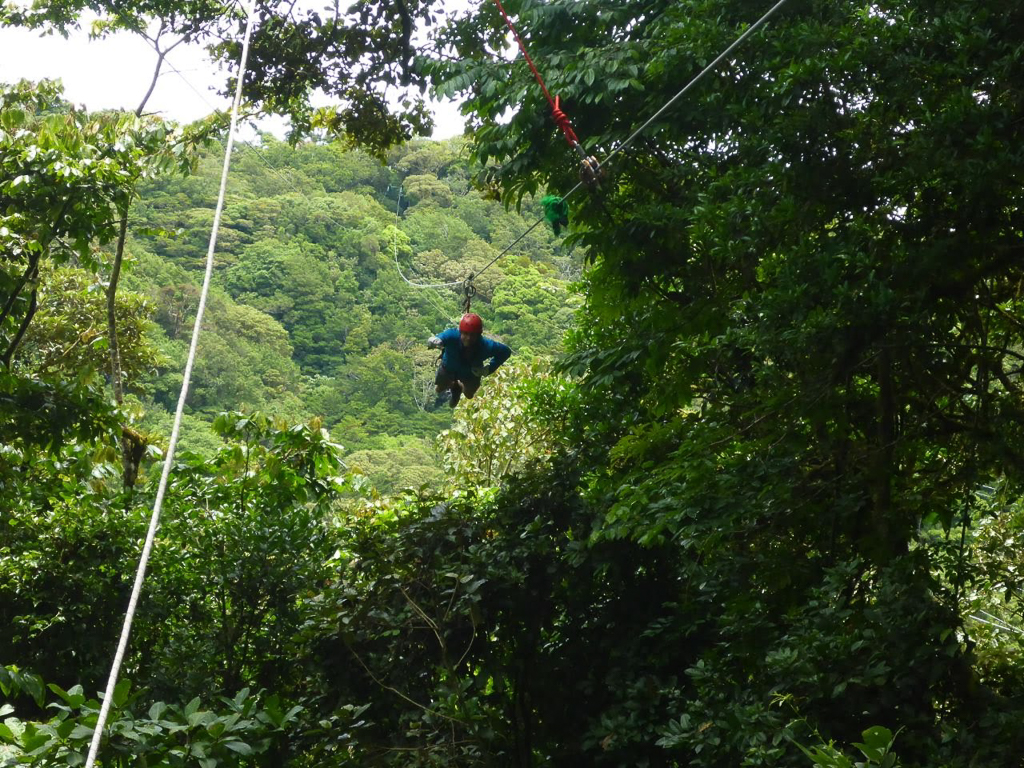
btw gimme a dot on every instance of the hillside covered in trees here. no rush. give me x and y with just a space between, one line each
317 309
748 494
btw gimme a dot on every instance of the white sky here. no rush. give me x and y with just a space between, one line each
116 71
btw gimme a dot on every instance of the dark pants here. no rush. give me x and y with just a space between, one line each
445 379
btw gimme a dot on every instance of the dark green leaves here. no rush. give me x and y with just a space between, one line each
243 726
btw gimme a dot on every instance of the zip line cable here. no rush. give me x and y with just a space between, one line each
996 622
431 289
615 151
154 522
632 137
515 242
437 303
710 67
430 297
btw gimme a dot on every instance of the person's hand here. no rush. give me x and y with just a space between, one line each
434 343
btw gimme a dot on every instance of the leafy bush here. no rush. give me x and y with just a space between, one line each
237 731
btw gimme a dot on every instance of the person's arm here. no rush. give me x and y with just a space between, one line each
499 354
438 341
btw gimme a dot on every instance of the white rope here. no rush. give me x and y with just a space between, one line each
623 145
154 522
398 266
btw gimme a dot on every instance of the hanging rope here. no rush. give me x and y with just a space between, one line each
632 137
590 170
154 521
561 119
399 266
468 292
995 621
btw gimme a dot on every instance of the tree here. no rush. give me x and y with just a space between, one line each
71 179
231 732
70 330
291 283
352 55
66 174
428 189
800 338
531 309
246 535
506 428
397 463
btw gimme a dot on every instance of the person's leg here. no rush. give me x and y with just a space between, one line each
470 385
447 388
443 380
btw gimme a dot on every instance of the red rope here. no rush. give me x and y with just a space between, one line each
561 119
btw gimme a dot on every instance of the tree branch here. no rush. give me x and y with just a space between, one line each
32 306
397 692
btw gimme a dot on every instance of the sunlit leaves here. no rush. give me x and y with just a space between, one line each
504 429
242 726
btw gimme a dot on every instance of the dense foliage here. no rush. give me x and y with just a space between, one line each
764 510
800 351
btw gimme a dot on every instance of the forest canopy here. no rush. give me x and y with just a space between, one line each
749 492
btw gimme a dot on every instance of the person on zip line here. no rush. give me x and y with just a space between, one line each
466 357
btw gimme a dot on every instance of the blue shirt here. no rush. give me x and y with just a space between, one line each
461 362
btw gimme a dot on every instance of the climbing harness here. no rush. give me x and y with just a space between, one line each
154 523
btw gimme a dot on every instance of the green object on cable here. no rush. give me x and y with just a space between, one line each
556 211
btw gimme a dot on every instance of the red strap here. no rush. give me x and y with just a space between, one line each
561 119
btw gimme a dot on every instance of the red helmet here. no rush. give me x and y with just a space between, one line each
471 323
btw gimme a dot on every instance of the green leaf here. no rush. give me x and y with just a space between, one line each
199 718
59 691
121 692
33 685
878 737
81 732
240 747
216 728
